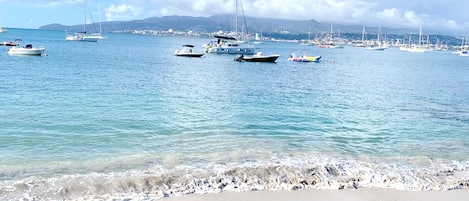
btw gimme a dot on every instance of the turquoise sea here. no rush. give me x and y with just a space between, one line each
124 119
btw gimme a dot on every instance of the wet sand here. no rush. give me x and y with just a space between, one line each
362 194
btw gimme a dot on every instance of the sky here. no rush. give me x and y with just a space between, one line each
450 16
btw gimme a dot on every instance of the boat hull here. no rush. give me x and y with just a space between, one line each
81 38
305 59
267 58
26 51
189 54
375 48
232 50
331 46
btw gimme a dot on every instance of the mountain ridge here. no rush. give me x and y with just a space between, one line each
224 23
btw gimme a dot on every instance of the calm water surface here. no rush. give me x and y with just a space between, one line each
124 118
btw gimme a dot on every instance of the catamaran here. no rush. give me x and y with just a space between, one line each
230 44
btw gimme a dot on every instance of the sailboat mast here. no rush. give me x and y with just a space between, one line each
363 35
420 36
100 26
236 18
84 14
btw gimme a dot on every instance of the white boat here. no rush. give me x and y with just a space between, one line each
363 42
461 49
330 44
258 39
379 44
81 36
26 50
420 48
3 30
187 51
230 44
464 54
308 42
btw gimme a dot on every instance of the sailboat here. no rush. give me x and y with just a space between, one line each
99 35
463 44
259 39
2 30
379 44
419 48
230 44
330 44
363 42
81 36
308 42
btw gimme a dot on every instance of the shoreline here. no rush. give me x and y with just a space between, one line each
361 194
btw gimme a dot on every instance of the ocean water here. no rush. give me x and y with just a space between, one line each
125 119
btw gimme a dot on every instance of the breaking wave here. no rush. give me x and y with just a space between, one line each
284 174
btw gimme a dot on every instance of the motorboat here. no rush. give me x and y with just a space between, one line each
8 43
258 57
464 54
304 58
26 50
187 51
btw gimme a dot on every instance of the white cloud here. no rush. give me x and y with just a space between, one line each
122 12
396 13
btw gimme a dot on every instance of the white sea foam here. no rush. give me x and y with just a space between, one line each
279 174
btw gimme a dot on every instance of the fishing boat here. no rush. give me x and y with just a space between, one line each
26 50
304 58
187 51
81 36
258 57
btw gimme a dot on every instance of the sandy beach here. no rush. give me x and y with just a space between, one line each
363 194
